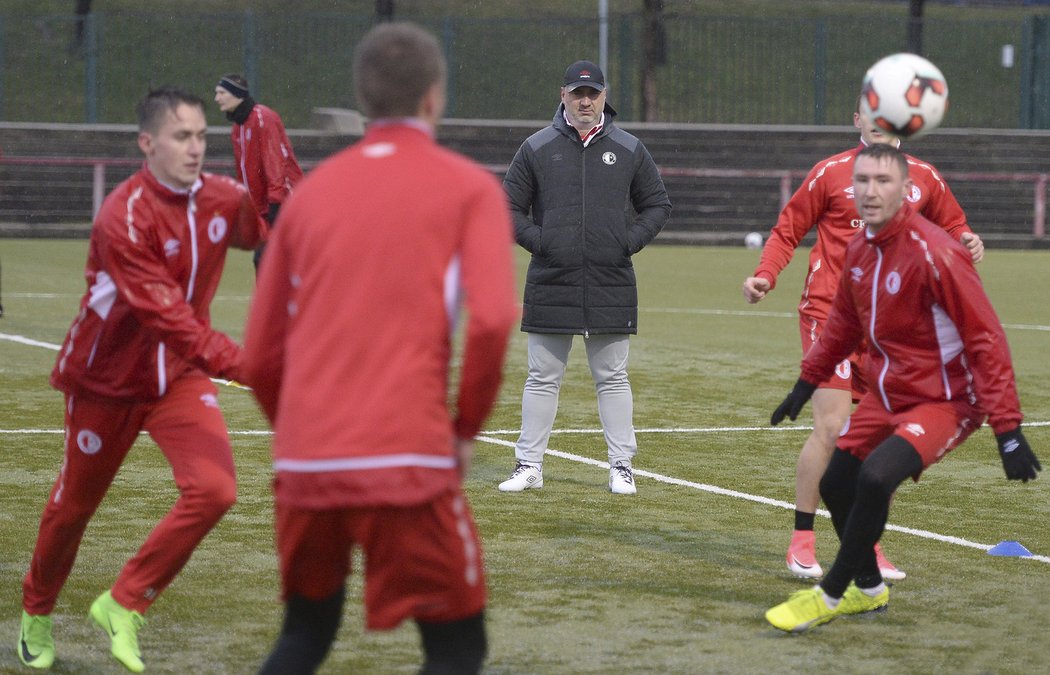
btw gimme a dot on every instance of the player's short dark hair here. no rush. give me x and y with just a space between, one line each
878 151
394 66
151 109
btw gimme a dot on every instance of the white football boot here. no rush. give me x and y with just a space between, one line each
621 479
524 477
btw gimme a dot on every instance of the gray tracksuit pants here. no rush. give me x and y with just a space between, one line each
548 356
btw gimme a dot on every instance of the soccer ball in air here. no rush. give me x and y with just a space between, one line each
904 95
753 240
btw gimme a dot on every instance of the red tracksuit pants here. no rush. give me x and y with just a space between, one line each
189 428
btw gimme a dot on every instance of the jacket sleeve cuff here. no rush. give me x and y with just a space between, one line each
1004 426
768 276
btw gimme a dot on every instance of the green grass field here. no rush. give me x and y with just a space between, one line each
674 580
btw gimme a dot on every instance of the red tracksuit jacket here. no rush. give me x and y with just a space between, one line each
154 262
349 336
825 201
265 160
932 334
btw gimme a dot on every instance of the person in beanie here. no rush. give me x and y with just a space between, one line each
263 154
572 187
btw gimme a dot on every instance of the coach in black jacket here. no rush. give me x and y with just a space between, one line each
586 196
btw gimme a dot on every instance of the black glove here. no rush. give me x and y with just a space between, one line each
1019 462
792 405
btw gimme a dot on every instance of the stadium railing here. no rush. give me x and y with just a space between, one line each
786 178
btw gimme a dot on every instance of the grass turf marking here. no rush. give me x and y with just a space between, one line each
714 489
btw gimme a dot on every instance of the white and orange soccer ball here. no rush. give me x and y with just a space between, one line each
904 95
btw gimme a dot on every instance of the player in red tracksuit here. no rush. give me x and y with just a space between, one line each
265 160
937 364
347 348
825 202
138 357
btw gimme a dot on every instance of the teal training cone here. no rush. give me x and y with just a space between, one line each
1009 548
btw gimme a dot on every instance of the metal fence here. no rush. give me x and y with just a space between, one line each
781 70
78 210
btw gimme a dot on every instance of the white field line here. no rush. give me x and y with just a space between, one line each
714 489
27 341
785 315
30 342
48 345
655 310
690 430
486 438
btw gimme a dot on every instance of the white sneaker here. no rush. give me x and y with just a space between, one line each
621 480
524 477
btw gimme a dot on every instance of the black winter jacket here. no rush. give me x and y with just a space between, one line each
582 213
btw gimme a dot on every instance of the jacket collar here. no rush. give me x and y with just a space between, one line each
169 192
404 122
863 144
561 125
892 228
239 115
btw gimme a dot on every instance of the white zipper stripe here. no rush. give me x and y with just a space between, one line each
871 329
162 373
191 217
244 165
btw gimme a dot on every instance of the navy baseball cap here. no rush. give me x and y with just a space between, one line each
584 74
